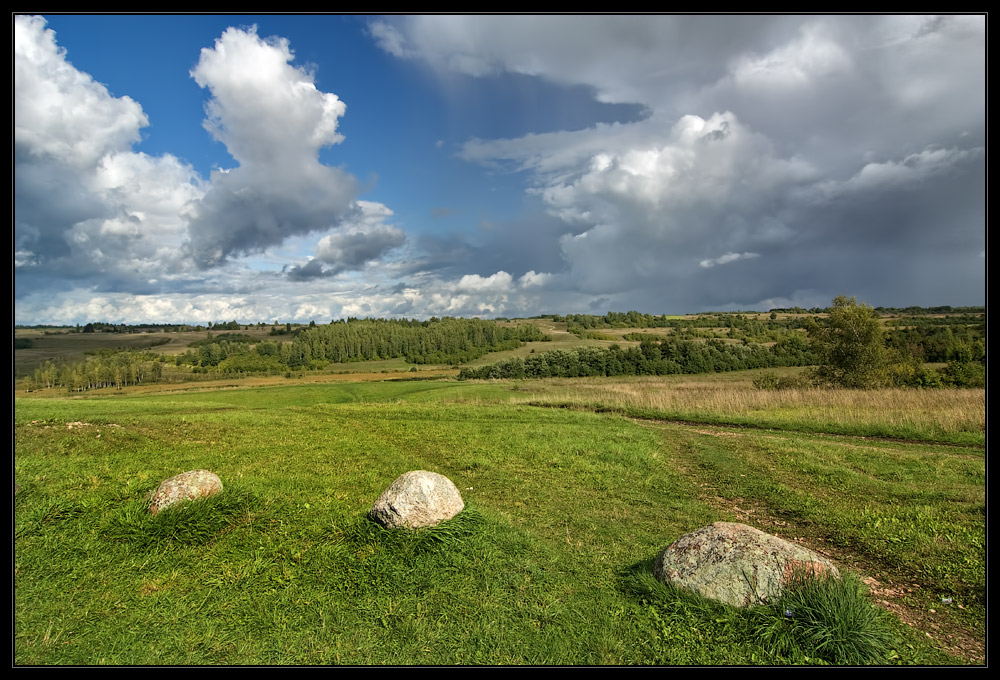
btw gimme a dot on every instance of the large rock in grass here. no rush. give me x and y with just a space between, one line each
737 564
184 487
417 499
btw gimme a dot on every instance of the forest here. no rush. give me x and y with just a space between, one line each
652 357
915 347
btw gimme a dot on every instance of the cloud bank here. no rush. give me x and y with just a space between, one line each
826 154
87 207
781 161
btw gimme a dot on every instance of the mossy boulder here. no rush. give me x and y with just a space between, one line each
737 564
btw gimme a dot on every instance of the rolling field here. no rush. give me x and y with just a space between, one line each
64 346
955 416
566 508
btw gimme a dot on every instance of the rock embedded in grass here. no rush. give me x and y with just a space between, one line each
737 564
417 499
186 486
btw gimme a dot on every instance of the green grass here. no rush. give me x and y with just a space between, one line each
913 509
817 622
828 619
548 564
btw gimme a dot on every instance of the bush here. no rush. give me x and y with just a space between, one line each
964 374
913 374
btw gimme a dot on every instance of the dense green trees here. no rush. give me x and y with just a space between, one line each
437 341
942 341
855 350
664 357
110 369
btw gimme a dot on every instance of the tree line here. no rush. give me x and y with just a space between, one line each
652 357
436 341
448 341
849 347
108 369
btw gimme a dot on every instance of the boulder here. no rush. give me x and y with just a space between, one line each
184 487
417 499
737 564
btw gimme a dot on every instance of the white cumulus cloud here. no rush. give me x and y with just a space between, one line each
86 204
274 121
474 283
60 112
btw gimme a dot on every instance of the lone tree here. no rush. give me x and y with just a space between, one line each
851 346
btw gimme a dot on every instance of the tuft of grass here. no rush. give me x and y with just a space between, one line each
408 543
819 620
49 513
825 618
193 523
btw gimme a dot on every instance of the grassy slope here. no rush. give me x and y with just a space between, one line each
943 415
73 347
566 511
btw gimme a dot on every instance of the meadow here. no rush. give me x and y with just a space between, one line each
572 487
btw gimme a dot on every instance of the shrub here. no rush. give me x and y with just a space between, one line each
964 374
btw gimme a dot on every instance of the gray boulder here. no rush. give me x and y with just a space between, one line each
417 499
737 564
184 487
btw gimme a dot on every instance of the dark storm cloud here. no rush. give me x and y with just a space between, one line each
527 242
245 212
41 224
775 151
350 248
311 270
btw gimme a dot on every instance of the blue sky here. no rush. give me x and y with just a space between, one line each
209 168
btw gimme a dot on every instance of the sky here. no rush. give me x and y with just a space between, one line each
186 169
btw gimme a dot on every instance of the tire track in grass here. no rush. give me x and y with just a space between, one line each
624 412
895 595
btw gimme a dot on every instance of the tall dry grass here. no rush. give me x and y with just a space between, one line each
898 412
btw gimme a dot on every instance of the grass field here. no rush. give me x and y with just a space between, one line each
955 416
73 347
549 564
